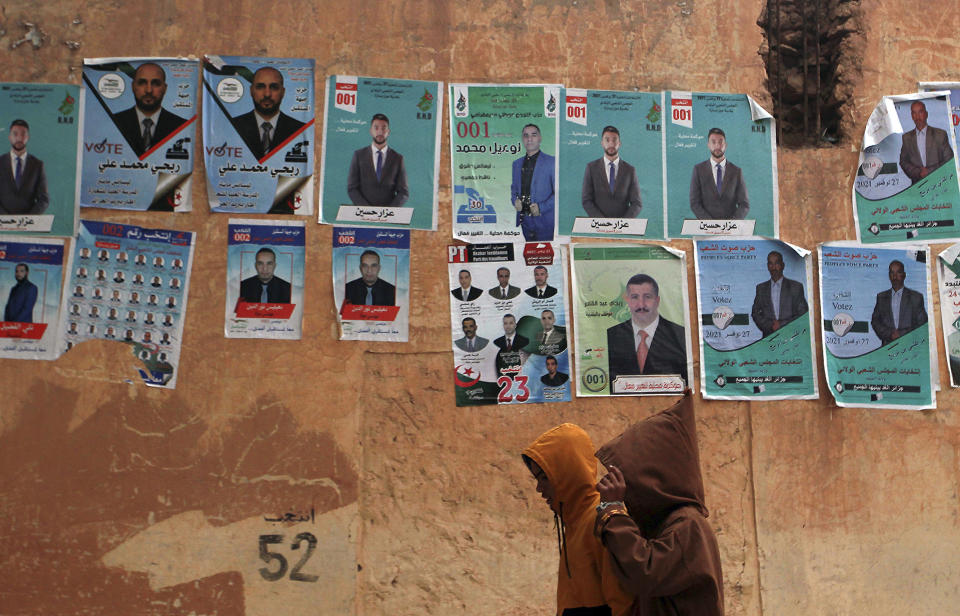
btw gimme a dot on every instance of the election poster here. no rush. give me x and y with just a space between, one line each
139 133
31 274
906 189
948 270
39 182
371 283
130 284
258 135
611 154
756 326
630 317
503 161
509 323
265 272
878 339
721 166
381 152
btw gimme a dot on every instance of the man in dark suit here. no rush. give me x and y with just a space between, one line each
511 344
370 289
647 343
147 123
540 288
532 188
905 303
466 292
610 186
552 338
470 342
265 127
504 290
265 288
23 296
778 300
918 164
717 189
23 181
553 378
377 174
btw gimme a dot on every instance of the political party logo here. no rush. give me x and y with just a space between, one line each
426 101
722 316
956 324
461 108
552 103
465 376
871 166
66 107
841 323
475 210
654 114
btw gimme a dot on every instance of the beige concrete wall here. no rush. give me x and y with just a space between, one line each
119 499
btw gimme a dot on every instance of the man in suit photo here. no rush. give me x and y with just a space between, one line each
610 185
552 339
265 127
540 288
470 342
377 174
511 345
504 290
717 189
466 292
925 147
22 298
532 188
265 288
370 289
23 181
778 300
898 309
147 123
647 343
553 378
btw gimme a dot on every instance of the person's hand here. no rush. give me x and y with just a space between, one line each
612 487
534 209
518 204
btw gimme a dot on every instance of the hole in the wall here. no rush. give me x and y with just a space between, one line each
812 50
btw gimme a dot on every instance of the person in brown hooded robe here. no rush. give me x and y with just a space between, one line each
653 521
563 464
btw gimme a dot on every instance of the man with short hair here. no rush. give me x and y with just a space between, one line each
778 300
23 296
147 123
717 189
552 339
511 340
377 174
533 188
470 342
504 290
540 288
265 127
610 185
369 289
23 181
647 343
925 147
265 288
898 310
466 292
553 378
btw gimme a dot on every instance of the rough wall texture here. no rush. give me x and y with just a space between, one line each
115 499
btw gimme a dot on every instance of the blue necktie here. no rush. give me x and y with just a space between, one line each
613 176
719 179
379 163
263 293
369 299
19 173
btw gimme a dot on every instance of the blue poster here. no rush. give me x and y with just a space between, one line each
265 263
129 284
31 270
39 183
258 125
611 164
139 133
381 152
721 166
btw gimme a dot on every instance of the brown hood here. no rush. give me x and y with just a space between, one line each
660 461
565 454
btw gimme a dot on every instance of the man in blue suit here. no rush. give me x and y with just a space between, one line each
532 188
23 296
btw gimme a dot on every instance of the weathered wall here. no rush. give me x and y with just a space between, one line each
119 499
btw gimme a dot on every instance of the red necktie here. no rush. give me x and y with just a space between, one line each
642 350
